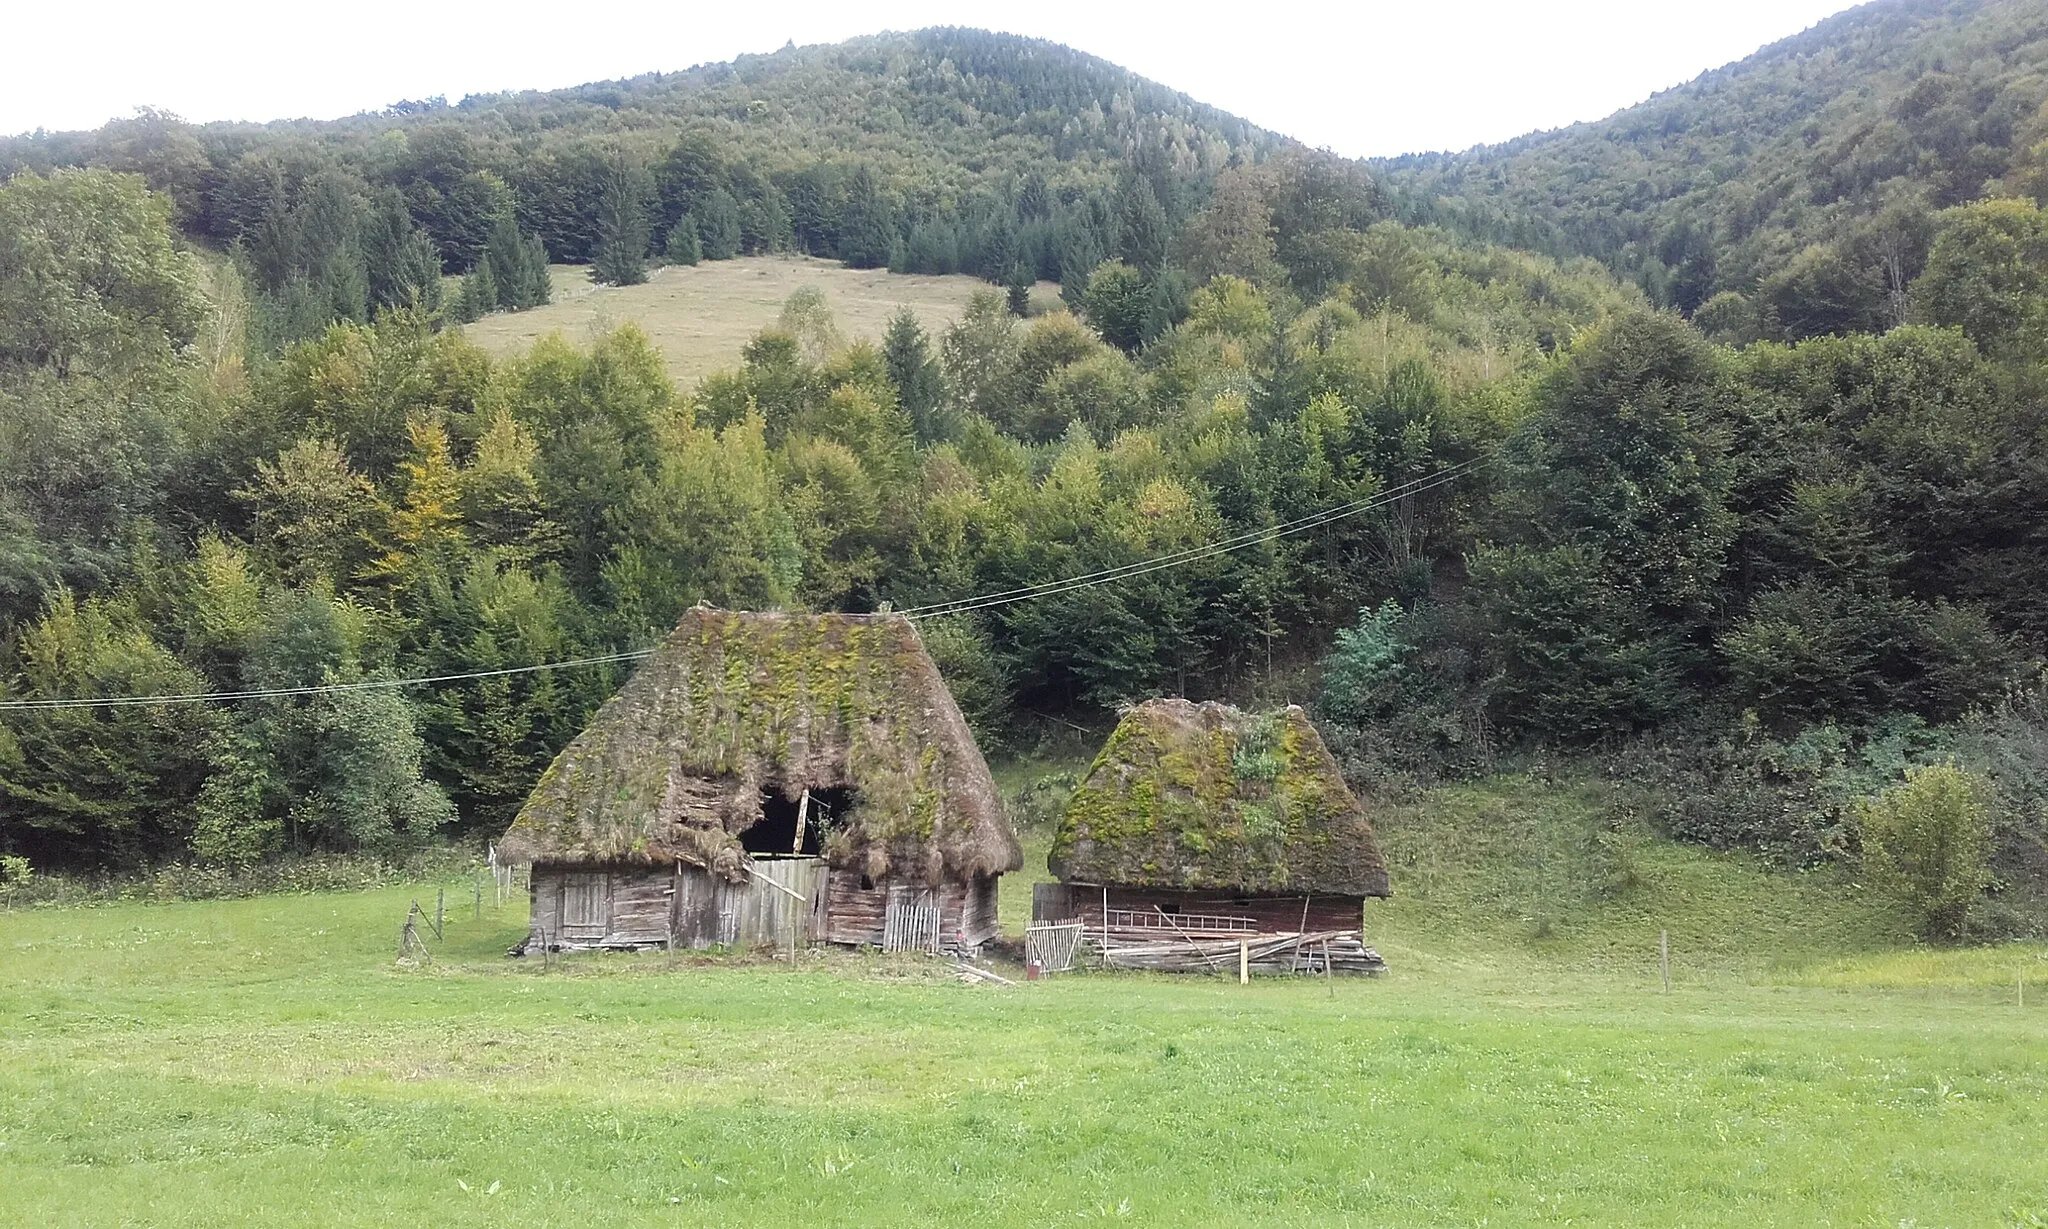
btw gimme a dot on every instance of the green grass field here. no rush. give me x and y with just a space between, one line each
700 316
266 1061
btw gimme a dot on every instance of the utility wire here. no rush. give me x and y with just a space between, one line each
1244 539
271 693
1196 553
986 601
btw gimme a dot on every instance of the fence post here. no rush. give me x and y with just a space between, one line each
1244 962
440 911
476 881
1664 957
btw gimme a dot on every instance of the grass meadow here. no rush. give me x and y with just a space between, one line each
267 1061
700 316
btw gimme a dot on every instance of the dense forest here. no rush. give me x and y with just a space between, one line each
1805 184
1784 589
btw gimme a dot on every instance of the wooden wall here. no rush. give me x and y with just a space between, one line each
858 915
1156 912
585 908
581 909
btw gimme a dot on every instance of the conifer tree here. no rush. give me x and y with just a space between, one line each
621 255
1019 290
478 296
907 353
1144 226
718 225
404 268
518 265
683 246
867 238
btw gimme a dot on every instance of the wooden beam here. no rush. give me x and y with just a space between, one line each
791 893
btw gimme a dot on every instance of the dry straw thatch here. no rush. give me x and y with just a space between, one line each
732 704
1204 797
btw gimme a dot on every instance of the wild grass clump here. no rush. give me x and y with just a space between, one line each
295 874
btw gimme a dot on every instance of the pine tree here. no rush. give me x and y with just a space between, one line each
1144 227
867 238
479 294
718 225
1019 289
907 353
404 268
518 265
621 255
683 246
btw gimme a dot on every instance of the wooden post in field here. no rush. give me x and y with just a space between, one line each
1244 962
440 911
1664 957
476 881
1105 927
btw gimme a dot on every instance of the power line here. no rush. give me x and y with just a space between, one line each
272 693
986 601
1196 553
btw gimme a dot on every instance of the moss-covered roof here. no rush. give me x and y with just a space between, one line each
673 766
1205 797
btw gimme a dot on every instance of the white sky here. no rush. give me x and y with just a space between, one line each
1365 78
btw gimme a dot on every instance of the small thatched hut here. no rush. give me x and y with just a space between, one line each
1200 824
763 773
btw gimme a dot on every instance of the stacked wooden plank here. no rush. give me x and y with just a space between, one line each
1314 952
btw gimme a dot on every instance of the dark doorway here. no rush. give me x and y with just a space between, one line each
775 834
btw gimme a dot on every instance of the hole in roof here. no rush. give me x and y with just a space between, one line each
775 834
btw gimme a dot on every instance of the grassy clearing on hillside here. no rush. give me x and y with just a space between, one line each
701 315
265 1061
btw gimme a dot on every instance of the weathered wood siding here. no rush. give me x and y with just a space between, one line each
711 912
859 915
1060 902
640 906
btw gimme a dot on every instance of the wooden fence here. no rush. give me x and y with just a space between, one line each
912 922
1050 946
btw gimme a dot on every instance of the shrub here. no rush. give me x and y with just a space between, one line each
1930 839
1396 699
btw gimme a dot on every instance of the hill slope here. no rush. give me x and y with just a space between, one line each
1848 135
950 126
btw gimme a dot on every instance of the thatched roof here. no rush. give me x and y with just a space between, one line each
1205 797
673 766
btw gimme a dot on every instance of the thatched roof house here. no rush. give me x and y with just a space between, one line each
1201 822
1204 797
750 737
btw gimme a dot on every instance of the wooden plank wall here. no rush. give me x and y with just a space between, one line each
853 914
859 916
1060 902
711 912
644 905
978 923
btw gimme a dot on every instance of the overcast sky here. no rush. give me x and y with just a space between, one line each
1368 77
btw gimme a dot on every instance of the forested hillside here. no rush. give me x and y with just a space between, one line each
1788 592
1808 179
941 151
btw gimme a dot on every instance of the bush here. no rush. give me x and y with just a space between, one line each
328 872
967 660
1793 801
2007 743
1395 701
1930 840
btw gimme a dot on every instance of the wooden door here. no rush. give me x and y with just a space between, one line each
586 907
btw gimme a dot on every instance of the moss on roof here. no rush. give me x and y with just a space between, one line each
1203 796
731 704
